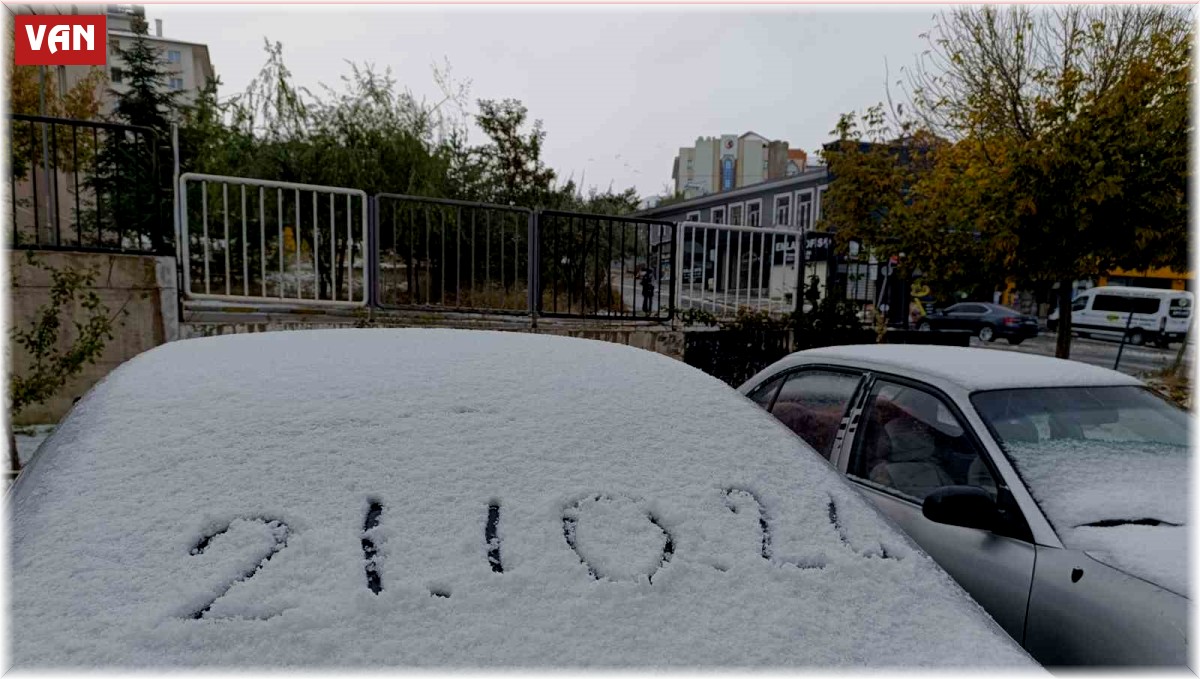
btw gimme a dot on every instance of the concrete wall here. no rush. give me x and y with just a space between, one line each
144 286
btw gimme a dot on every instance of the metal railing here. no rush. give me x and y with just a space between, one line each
724 268
85 185
256 240
606 267
450 254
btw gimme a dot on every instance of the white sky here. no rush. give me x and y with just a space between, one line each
619 88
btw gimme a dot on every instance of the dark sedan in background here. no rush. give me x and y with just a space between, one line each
985 320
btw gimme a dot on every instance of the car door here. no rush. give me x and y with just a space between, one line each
813 402
905 440
967 317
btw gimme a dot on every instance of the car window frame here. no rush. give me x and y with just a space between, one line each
786 374
852 447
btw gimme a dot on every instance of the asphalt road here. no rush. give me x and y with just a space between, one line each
1135 361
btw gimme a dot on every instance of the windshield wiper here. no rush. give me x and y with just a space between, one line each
1109 523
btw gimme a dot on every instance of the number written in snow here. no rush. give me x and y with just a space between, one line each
609 523
621 540
278 536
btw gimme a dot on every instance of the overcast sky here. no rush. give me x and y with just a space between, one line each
619 88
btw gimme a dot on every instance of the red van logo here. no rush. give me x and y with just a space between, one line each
60 40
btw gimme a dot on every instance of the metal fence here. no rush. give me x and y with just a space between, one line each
602 266
256 240
449 254
86 185
724 268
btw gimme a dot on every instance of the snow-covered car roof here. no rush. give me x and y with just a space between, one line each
455 498
969 368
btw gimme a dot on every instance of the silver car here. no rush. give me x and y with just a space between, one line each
1054 492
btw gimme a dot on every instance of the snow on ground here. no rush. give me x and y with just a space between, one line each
1084 481
29 438
524 501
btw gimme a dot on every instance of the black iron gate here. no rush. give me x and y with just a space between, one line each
451 255
603 266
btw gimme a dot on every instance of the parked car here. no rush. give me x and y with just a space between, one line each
455 499
1158 316
986 320
1053 491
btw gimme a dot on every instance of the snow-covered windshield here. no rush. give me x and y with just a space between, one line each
1107 465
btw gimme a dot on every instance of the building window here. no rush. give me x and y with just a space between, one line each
804 206
176 84
820 201
717 215
173 57
116 75
754 213
693 216
735 214
114 48
783 210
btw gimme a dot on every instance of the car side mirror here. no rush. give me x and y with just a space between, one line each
965 506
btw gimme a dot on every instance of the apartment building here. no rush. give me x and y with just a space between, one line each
716 164
187 63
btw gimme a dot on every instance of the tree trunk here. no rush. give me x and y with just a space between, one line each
1177 365
1062 347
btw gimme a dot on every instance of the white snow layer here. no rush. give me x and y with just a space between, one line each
29 438
631 493
1079 482
971 368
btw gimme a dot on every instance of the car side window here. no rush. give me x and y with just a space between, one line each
812 403
912 443
765 392
1079 304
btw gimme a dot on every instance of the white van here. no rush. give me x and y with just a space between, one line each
1159 316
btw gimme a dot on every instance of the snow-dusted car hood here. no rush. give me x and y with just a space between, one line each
455 498
1081 483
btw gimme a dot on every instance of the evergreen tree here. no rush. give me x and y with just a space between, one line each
133 175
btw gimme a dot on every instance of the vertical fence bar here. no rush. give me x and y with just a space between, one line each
608 269
53 196
316 253
554 268
262 240
75 173
595 268
225 216
458 257
737 280
332 248
428 259
37 222
473 248
12 191
771 270
517 252
704 266
569 281
279 224
296 242
245 248
350 250
99 205
204 222
442 261
487 256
